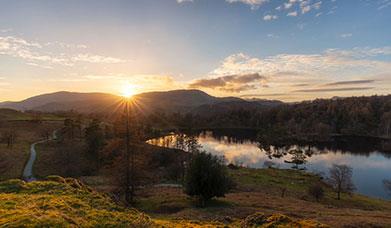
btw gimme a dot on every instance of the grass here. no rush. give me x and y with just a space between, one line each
26 132
259 190
62 203
59 202
296 184
14 115
59 158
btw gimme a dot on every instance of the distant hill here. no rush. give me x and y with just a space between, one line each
64 101
170 101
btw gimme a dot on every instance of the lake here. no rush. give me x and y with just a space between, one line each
370 166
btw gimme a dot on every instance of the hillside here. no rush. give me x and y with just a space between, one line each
60 202
10 114
169 101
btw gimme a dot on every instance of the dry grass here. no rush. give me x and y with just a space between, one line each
27 132
66 158
61 202
259 191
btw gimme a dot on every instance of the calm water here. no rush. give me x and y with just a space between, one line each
370 166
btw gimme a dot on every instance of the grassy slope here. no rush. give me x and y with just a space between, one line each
61 202
260 190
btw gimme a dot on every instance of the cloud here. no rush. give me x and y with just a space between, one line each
334 89
306 6
384 4
331 68
231 83
264 95
346 35
40 55
360 52
332 61
270 17
271 35
96 59
354 82
303 6
292 14
253 3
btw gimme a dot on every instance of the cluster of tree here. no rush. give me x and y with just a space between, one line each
315 120
206 177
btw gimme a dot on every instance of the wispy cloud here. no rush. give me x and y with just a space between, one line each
354 82
264 95
253 3
295 7
41 55
318 72
346 35
292 14
331 61
270 17
334 89
384 4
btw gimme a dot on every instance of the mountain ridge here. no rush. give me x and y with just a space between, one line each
168 101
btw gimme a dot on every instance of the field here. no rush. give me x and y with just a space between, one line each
25 132
256 190
261 190
60 202
271 194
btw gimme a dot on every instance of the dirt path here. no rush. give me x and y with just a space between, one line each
28 169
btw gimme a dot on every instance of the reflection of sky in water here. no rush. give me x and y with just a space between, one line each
368 171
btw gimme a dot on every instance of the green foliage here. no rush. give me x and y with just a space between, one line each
206 177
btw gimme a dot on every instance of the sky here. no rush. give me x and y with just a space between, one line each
289 50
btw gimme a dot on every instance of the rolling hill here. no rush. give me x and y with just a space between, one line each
67 202
169 101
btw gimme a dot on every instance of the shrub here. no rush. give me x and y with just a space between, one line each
316 191
206 177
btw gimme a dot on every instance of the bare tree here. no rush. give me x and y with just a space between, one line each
386 123
9 137
341 179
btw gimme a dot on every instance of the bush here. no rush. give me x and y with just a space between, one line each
316 191
206 177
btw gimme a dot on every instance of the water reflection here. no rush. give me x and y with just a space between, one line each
370 166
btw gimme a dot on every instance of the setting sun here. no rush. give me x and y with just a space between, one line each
128 90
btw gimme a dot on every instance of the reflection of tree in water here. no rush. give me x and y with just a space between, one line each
298 157
274 151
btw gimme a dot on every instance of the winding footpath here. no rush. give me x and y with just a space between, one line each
28 169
